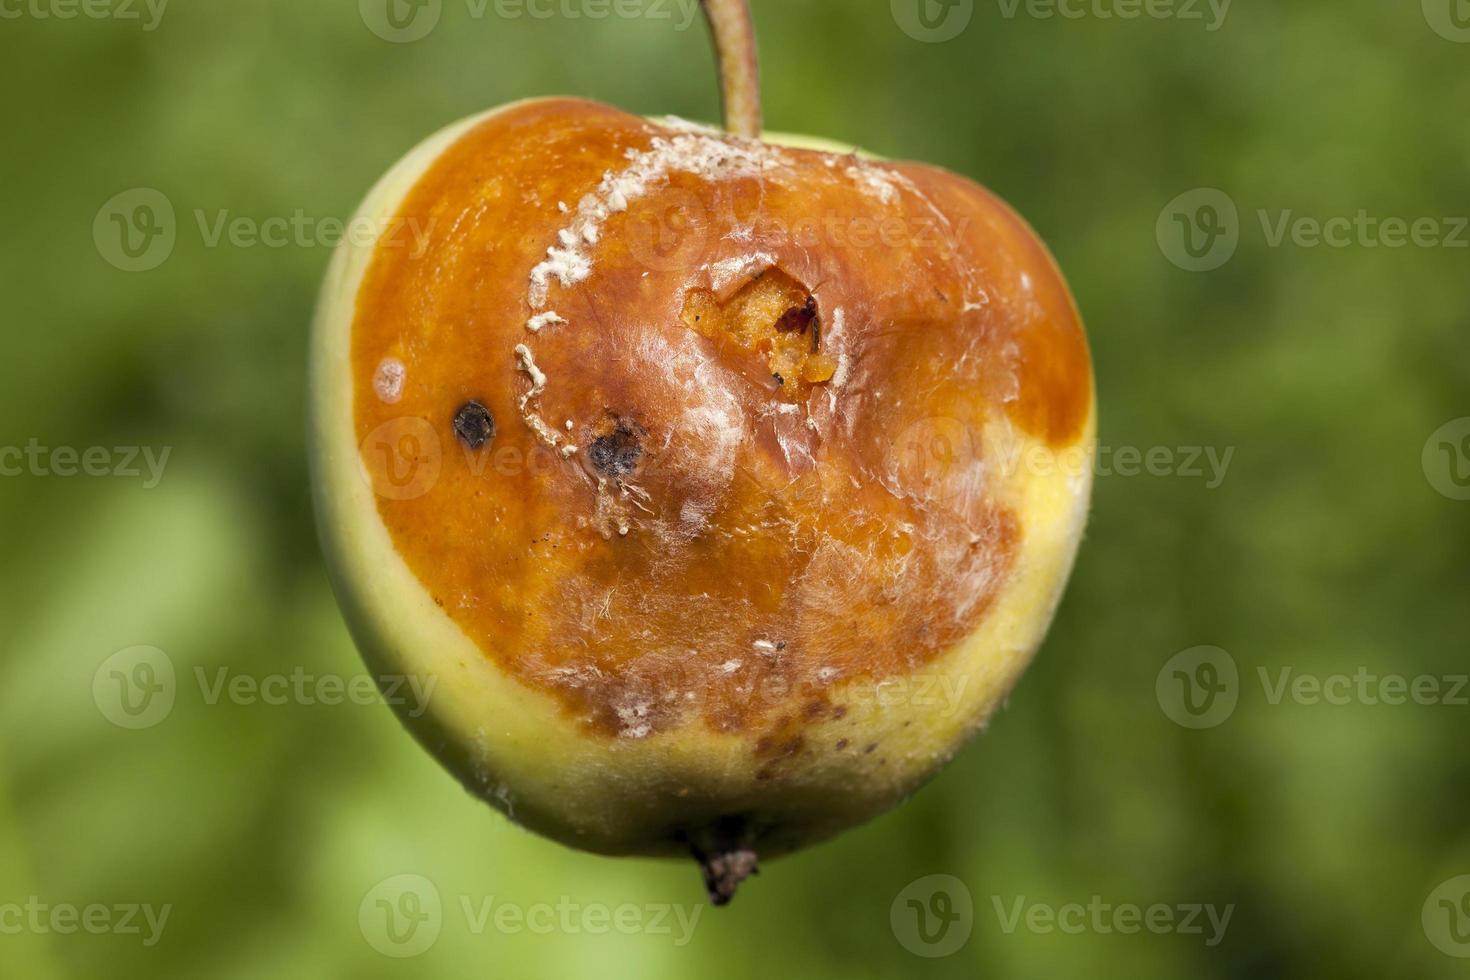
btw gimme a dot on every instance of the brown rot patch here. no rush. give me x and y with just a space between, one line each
474 425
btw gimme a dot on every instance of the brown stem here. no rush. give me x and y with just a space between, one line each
725 857
740 86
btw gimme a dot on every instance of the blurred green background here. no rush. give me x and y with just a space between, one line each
1335 543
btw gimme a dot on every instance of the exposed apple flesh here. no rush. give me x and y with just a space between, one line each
725 487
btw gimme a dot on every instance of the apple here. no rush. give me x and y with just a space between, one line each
723 485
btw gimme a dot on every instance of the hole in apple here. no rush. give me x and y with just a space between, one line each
774 317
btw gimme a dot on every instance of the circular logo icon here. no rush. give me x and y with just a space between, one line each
135 231
1446 459
667 231
402 458
1199 230
400 21
1446 917
934 456
932 21
135 688
401 916
933 916
1199 687
1450 19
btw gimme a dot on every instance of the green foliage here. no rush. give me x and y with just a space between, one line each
1324 548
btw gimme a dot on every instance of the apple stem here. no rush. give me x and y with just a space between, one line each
733 34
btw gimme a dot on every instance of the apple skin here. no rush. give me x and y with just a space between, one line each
972 338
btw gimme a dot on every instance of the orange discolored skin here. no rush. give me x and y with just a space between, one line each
776 364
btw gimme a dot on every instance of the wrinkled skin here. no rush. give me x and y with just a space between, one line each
754 440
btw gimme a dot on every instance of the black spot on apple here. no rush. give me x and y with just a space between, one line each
616 453
474 425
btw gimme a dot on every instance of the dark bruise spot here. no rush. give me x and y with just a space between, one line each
779 380
616 453
840 711
871 746
474 424
841 744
